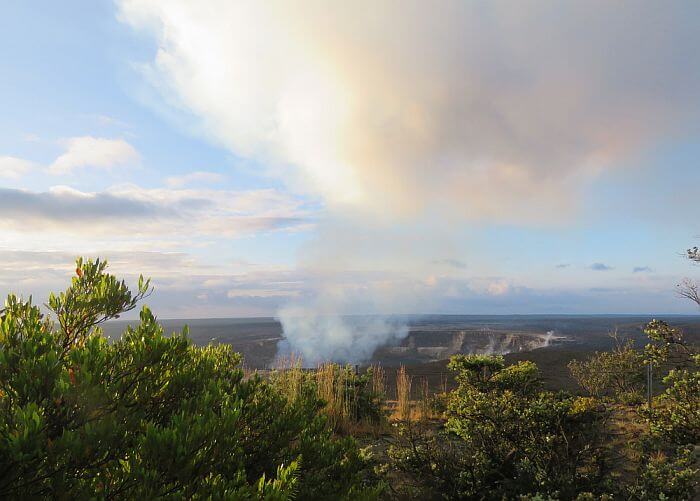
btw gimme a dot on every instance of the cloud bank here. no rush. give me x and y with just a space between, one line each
151 213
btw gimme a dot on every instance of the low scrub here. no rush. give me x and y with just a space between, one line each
504 436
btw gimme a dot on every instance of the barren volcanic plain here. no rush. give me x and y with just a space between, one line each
549 340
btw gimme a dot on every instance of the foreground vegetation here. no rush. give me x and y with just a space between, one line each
153 416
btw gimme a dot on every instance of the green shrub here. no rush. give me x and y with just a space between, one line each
669 466
618 373
662 476
505 437
676 414
433 464
150 415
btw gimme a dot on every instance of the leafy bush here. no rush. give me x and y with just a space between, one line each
149 415
618 373
665 342
504 436
674 419
433 464
676 416
666 467
662 476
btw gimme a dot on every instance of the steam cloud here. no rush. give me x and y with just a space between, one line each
401 106
320 338
407 111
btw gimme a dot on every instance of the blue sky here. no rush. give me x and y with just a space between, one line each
253 159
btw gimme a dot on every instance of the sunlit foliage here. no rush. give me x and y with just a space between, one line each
505 436
150 415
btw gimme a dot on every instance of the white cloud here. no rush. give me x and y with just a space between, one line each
185 286
227 289
194 178
93 152
427 114
14 168
481 111
263 292
498 288
164 214
109 121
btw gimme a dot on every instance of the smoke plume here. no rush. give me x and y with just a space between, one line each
404 113
317 338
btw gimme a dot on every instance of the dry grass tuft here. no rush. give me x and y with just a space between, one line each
331 384
425 406
353 402
378 381
288 376
403 394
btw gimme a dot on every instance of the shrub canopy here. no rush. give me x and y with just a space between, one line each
150 415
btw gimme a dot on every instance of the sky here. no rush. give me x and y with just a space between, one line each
268 158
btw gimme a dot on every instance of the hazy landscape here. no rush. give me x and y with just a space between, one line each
435 337
350 250
550 340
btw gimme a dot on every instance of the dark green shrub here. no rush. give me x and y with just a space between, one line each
666 476
150 416
618 373
434 464
675 416
505 437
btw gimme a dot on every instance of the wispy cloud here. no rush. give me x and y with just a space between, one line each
31 138
93 152
68 207
15 168
499 288
266 292
110 121
154 213
563 265
194 178
185 286
451 263
600 267
641 269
